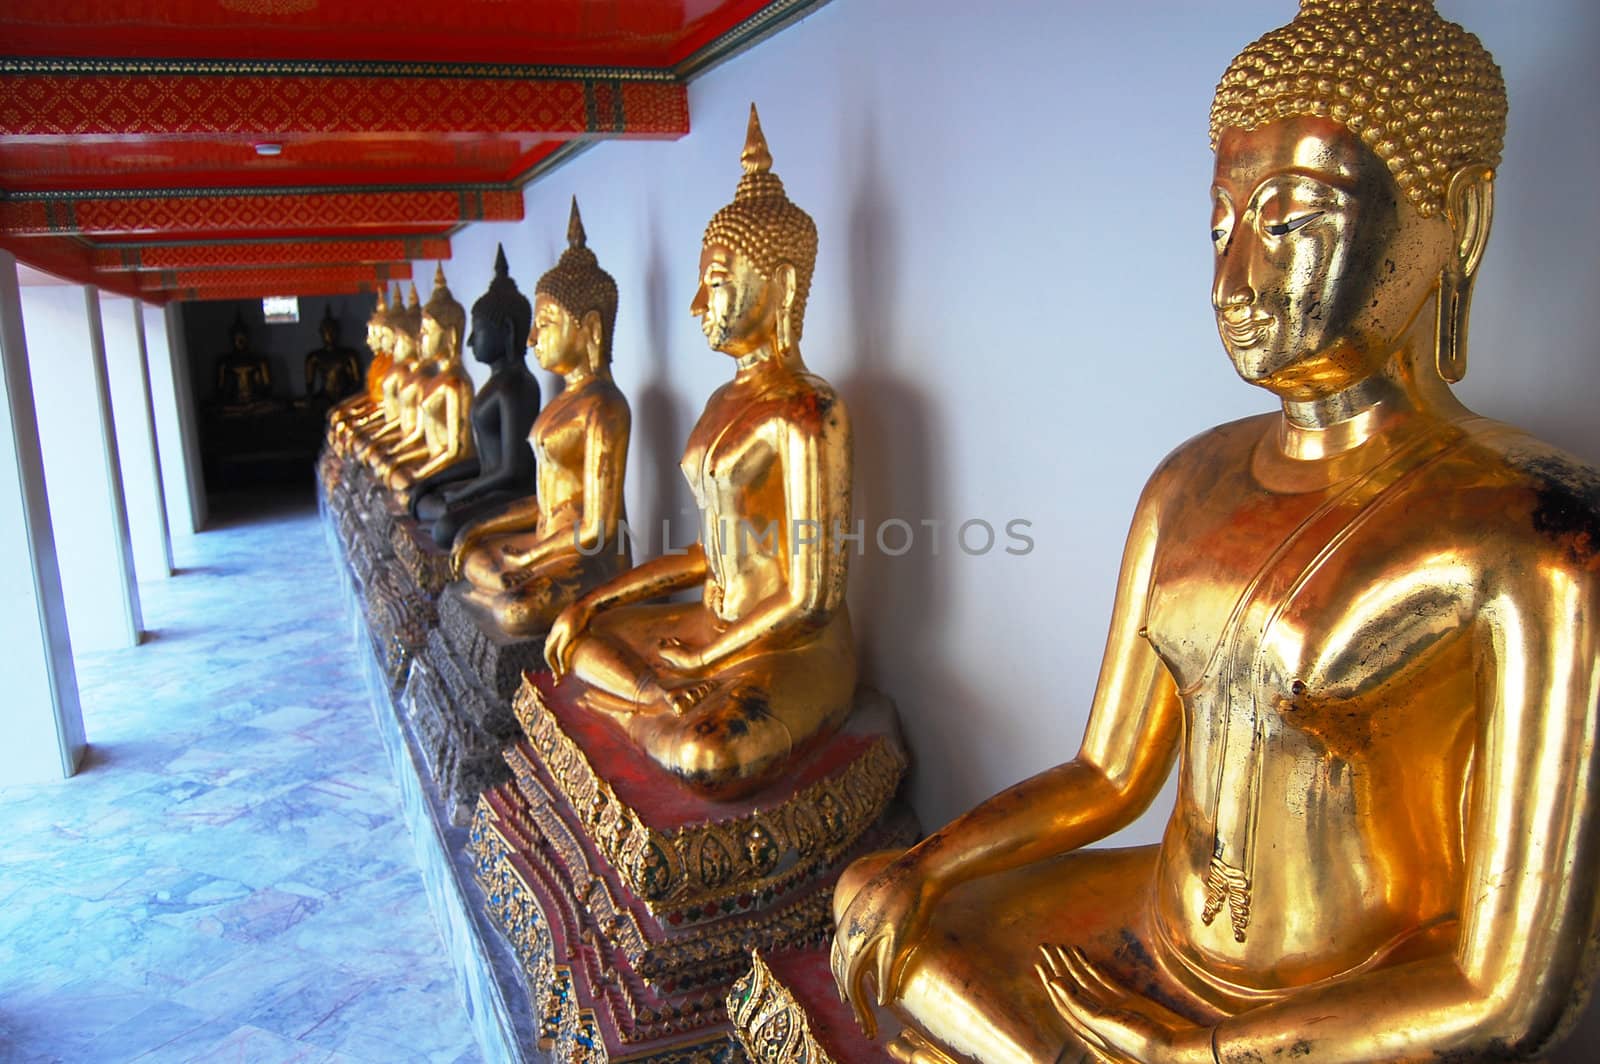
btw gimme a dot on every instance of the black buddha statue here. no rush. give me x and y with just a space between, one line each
333 372
503 412
244 379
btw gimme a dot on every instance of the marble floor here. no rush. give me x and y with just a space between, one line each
228 879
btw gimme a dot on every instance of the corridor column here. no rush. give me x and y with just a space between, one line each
136 435
176 425
88 511
41 722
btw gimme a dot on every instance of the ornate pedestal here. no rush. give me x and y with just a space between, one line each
786 1010
458 698
403 589
633 904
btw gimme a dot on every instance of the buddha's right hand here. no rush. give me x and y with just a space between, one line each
563 637
877 934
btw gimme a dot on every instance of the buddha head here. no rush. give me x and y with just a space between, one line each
406 321
574 308
375 324
328 327
239 335
1356 149
756 261
443 321
501 317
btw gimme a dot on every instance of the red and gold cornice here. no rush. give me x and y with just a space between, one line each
242 211
77 98
235 255
282 280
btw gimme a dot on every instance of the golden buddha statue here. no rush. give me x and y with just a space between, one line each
398 406
1364 625
724 692
364 411
440 391
531 560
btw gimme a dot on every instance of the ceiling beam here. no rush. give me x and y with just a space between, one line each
65 98
275 279
239 212
303 290
211 255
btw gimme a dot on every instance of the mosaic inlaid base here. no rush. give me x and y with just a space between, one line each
633 904
786 1010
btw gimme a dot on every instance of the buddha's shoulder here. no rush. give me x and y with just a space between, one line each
1217 449
1518 480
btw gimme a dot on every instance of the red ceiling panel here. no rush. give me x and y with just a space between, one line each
644 33
264 130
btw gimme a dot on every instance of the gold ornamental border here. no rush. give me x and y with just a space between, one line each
769 1023
703 863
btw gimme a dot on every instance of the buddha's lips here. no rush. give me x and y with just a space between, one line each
1246 333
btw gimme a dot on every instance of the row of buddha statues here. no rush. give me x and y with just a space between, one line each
1364 627
243 380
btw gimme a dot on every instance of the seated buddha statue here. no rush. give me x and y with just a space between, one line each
500 469
533 558
442 434
401 385
1363 625
333 372
244 379
347 419
726 691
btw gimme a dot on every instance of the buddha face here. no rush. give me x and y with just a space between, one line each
241 341
558 340
329 334
738 307
405 345
1321 262
487 338
432 336
385 339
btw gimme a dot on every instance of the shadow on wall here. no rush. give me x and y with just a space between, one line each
659 427
899 602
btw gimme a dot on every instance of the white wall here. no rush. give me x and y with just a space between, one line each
1013 296
87 512
123 320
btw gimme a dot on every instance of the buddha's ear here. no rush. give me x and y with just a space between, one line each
788 282
594 336
1469 208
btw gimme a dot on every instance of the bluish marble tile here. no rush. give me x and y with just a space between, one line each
230 870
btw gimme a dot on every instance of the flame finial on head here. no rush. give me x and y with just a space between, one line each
576 237
756 157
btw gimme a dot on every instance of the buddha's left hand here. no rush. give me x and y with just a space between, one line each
1115 1022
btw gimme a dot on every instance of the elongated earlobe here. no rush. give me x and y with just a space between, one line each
1469 207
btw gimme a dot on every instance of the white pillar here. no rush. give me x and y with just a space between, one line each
41 722
123 319
66 353
177 433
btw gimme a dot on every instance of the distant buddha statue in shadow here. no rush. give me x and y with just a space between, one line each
501 468
1365 627
725 692
243 378
333 372
442 434
532 559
